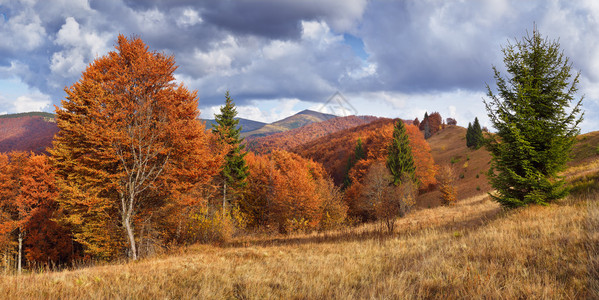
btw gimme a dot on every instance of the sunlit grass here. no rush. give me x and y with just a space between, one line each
473 249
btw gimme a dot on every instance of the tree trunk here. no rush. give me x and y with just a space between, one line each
6 266
130 235
224 198
20 251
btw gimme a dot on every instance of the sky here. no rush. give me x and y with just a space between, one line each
278 57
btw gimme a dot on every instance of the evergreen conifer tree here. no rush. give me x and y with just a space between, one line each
535 125
359 154
399 160
469 136
234 171
477 135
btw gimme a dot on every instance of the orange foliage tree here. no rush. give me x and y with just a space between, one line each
431 124
129 145
383 199
447 178
27 205
290 192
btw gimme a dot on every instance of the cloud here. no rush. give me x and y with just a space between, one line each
80 47
33 102
255 68
414 52
22 31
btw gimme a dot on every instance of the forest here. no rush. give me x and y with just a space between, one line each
134 175
132 171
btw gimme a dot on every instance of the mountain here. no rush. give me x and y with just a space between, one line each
295 137
246 125
298 120
32 131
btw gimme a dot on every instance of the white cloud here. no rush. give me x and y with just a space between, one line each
32 102
189 17
80 47
23 31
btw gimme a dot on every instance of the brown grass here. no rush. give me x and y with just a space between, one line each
471 166
471 250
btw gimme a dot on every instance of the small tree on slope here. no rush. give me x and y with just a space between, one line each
535 130
234 171
399 160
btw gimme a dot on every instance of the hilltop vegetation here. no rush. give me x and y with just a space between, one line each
296 137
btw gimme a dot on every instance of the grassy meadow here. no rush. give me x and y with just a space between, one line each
473 249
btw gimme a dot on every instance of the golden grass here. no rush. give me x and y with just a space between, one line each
471 250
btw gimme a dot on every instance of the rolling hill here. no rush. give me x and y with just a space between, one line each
34 131
27 132
298 120
295 137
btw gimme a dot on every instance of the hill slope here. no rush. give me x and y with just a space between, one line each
448 147
333 151
299 136
298 120
27 132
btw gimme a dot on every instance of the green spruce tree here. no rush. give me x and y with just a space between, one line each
234 170
359 154
469 137
399 160
536 127
477 135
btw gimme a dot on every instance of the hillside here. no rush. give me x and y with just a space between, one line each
586 149
448 147
333 150
474 249
299 136
27 132
298 120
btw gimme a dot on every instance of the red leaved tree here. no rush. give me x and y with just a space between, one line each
27 205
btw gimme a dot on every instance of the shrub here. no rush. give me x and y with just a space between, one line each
446 179
209 226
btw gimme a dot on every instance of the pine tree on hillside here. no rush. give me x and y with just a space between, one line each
399 160
469 137
474 135
536 127
359 154
477 135
234 171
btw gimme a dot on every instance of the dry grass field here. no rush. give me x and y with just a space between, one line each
473 250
